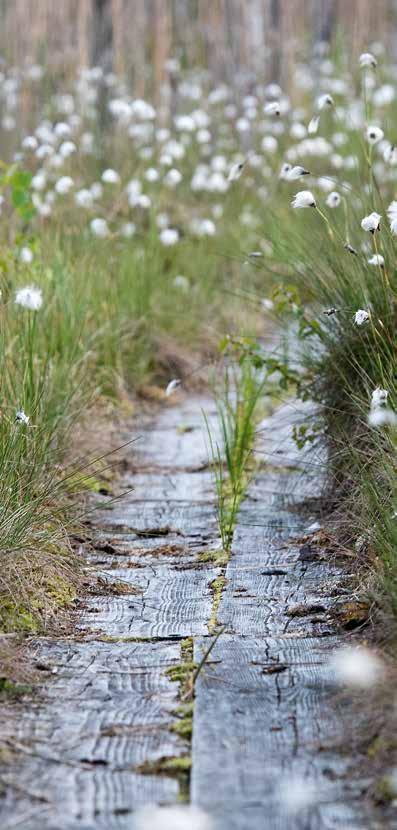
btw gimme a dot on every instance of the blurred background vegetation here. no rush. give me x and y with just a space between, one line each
136 38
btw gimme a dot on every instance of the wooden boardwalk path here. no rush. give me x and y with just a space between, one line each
266 714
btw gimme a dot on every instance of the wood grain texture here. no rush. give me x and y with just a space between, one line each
267 712
75 751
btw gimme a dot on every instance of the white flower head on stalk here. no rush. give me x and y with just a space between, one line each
297 794
285 169
361 317
110 176
303 199
392 214
169 236
84 198
374 134
128 229
64 185
21 417
368 60
325 102
181 282
173 386
172 178
371 223
333 199
172 818
379 397
382 417
272 108
236 171
99 227
26 255
313 125
357 667
390 155
377 259
296 173
29 297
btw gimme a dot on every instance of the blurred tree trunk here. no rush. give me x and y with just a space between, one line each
324 20
275 40
102 34
102 52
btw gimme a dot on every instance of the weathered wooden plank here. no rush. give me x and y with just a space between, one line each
174 601
266 714
255 731
110 707
106 712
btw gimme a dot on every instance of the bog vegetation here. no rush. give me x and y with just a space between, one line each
142 247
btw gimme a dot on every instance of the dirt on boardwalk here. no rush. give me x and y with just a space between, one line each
115 726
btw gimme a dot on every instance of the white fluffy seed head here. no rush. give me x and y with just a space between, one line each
368 60
379 397
29 297
371 222
357 667
172 818
374 134
361 316
382 417
303 199
99 227
173 386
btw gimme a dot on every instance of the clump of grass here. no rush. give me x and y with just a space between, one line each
232 454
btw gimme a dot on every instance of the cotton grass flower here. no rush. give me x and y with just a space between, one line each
110 176
392 215
272 108
377 259
374 135
236 171
361 317
333 199
297 794
367 60
181 282
382 417
295 173
325 102
169 237
178 817
172 178
64 185
379 397
390 155
313 125
67 149
21 417
128 229
303 199
173 386
99 227
29 297
357 667
26 255
371 222
84 198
